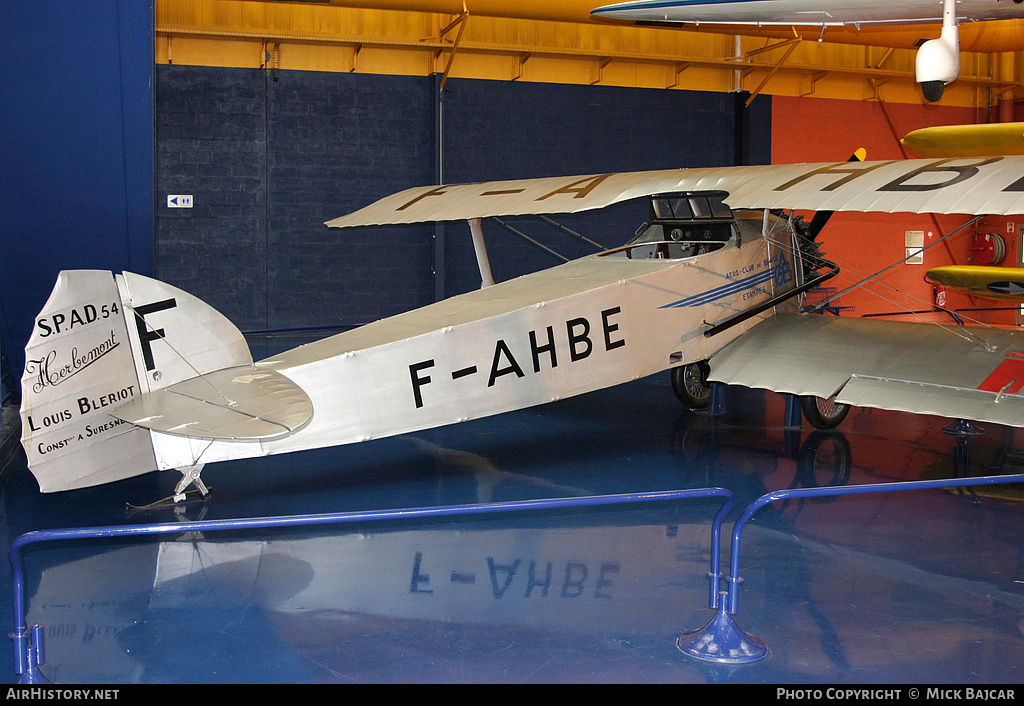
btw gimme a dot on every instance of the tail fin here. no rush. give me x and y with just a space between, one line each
100 341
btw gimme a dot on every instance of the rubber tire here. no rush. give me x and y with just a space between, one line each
822 412
690 384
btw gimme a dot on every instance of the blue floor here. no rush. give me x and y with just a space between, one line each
922 587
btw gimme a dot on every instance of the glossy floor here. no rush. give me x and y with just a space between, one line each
922 587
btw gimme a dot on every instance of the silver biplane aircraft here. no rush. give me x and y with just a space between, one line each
126 374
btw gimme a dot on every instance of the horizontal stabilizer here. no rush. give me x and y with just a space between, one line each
245 403
991 282
966 140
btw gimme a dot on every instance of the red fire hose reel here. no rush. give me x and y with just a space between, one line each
987 249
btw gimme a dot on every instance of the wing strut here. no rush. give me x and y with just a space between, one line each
486 279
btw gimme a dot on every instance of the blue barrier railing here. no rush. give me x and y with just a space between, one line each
891 487
29 653
721 640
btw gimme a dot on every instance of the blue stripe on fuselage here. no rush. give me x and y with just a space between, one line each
721 292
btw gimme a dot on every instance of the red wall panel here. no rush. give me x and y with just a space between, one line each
822 130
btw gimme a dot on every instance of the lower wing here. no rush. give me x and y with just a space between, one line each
950 371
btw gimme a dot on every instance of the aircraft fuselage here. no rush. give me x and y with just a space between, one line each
585 325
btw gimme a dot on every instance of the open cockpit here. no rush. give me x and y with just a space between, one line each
689 224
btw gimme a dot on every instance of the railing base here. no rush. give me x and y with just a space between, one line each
33 658
721 641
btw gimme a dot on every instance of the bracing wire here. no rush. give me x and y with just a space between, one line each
955 330
163 337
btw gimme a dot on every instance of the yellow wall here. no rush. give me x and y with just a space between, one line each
244 33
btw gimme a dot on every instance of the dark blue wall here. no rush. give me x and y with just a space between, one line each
268 158
270 155
76 148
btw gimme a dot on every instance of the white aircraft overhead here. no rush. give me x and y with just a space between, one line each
938 60
127 375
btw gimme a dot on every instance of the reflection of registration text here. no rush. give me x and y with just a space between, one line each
529 579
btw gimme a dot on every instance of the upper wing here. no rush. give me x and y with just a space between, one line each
962 373
991 185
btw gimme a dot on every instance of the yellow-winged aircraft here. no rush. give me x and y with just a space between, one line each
981 280
966 140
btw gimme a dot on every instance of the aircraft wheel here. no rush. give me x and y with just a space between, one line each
690 384
823 412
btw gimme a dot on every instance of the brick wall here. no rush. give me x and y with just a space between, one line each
270 155
211 142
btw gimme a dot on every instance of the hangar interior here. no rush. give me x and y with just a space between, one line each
273 117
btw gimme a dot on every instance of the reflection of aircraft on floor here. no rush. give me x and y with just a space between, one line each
126 374
706 447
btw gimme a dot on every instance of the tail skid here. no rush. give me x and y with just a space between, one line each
190 476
